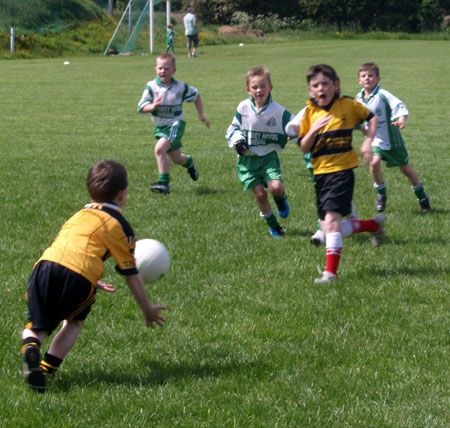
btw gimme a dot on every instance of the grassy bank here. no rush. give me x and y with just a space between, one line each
93 37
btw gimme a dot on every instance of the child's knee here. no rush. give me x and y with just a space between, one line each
260 194
375 162
276 187
162 146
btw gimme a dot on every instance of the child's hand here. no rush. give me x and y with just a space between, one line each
158 100
320 123
242 147
204 120
399 122
105 287
153 316
366 151
153 106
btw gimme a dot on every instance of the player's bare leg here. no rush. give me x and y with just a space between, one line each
187 161
417 187
262 201
162 160
276 188
379 184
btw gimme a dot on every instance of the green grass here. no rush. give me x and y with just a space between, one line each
250 340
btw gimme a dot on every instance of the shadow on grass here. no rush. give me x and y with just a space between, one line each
399 271
294 232
203 190
155 374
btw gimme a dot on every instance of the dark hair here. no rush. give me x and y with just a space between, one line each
370 66
105 180
325 69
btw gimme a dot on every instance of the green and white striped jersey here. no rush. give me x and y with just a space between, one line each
170 109
388 108
263 130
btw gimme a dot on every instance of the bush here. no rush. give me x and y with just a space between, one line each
47 15
267 24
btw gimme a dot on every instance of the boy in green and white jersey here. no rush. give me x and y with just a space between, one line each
170 39
163 98
257 133
388 144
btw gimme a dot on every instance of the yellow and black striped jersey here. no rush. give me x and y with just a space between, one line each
91 236
332 149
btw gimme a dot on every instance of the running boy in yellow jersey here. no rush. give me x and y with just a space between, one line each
326 131
65 279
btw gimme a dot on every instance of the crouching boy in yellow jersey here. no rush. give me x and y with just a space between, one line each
326 130
65 279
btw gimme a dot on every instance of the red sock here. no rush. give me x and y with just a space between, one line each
334 251
359 226
333 259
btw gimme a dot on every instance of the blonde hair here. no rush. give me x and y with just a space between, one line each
167 55
258 71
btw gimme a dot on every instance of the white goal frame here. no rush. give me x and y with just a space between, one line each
150 16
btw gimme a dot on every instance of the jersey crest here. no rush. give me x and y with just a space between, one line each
272 122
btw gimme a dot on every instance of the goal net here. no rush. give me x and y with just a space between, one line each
142 27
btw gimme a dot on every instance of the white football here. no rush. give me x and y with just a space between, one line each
152 259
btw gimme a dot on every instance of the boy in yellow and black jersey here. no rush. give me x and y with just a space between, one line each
65 279
326 130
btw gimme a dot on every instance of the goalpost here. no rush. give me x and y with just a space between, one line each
133 34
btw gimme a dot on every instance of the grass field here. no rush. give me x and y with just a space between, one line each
250 340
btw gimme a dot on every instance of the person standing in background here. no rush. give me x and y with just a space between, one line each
191 32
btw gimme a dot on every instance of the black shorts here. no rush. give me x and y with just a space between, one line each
56 293
193 39
334 192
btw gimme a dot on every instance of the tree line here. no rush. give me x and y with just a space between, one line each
367 15
412 16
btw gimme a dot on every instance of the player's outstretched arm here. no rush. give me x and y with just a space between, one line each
199 106
151 312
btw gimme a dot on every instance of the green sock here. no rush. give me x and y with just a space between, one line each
189 162
420 193
164 178
271 220
279 200
381 189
